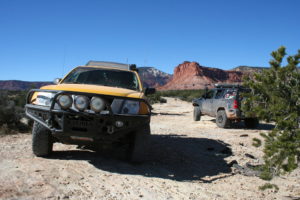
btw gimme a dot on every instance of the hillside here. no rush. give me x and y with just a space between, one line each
21 85
191 75
152 77
248 69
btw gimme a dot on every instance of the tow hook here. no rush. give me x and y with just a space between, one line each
110 129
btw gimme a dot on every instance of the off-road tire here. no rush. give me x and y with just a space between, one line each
222 121
251 122
197 113
138 149
42 141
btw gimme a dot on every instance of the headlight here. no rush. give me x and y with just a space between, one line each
97 104
65 101
130 107
44 98
81 102
120 106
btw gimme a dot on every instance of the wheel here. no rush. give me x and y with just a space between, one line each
138 148
251 122
42 142
197 113
222 120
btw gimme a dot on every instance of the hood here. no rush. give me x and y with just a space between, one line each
96 89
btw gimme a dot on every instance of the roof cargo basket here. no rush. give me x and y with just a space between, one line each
108 64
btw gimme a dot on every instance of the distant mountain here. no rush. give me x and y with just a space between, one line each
152 77
21 85
188 75
249 69
191 75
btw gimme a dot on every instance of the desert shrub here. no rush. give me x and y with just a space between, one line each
12 111
156 98
275 97
185 95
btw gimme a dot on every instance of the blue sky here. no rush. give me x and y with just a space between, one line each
44 39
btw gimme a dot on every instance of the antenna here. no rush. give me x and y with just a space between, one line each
63 63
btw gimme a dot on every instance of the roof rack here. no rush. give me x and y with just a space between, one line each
108 64
113 65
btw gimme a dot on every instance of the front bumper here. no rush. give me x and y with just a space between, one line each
69 123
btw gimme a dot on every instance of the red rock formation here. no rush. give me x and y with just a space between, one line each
190 75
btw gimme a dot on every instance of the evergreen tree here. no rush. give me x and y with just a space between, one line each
275 97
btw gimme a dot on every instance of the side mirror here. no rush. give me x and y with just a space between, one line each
56 81
150 91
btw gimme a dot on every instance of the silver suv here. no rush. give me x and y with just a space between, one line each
223 102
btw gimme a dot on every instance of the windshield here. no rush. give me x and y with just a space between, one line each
106 77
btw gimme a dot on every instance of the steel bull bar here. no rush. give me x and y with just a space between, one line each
47 114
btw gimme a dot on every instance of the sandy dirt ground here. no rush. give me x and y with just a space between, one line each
187 160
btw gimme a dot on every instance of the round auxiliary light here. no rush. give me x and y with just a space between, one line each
97 104
65 101
81 102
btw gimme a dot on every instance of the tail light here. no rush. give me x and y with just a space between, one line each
235 104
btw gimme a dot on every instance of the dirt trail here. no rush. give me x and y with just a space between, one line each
187 160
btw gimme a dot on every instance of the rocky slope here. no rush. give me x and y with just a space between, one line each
248 69
191 75
152 77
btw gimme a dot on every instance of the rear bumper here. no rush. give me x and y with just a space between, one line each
235 114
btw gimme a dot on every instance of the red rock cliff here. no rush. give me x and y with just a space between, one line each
191 75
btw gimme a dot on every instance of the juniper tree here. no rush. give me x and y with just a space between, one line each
275 97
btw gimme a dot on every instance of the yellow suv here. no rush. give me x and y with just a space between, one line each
102 103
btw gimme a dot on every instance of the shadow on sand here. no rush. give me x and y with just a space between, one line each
241 125
172 157
164 113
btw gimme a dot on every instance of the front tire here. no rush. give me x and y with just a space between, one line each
139 146
42 142
222 120
197 113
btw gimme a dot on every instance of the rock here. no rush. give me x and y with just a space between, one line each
152 77
191 75
249 156
246 171
24 121
244 135
232 163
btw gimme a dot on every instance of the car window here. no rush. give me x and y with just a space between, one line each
230 94
106 77
209 94
219 94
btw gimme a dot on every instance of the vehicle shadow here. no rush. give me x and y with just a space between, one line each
241 125
164 113
172 157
